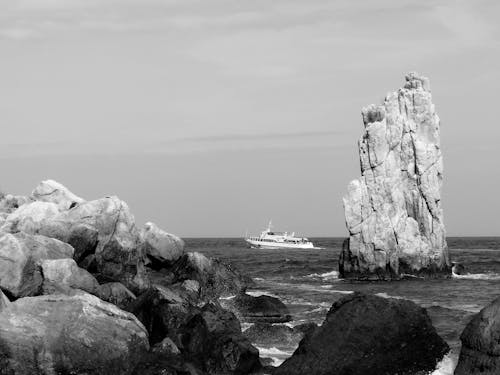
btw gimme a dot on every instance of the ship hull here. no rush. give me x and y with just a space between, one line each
278 245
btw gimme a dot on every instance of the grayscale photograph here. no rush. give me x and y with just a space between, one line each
249 187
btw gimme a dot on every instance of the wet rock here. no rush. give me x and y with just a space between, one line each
54 192
162 248
216 279
261 309
20 257
60 334
364 334
62 274
212 338
273 335
393 211
480 353
163 312
115 293
458 269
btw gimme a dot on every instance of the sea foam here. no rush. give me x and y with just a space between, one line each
477 276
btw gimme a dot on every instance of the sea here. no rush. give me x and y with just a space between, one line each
308 282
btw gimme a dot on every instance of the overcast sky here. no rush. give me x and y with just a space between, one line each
211 117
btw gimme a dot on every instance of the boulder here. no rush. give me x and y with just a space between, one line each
261 309
9 203
61 334
163 312
162 248
54 192
216 279
273 335
393 211
61 274
212 338
115 293
458 269
365 334
105 228
166 346
480 353
30 217
20 257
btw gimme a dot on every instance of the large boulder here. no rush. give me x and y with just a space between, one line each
115 293
393 211
105 228
273 335
162 248
59 275
365 334
20 257
216 279
52 191
9 203
60 334
212 338
480 353
163 312
260 309
30 217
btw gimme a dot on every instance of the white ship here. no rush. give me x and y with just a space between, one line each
270 239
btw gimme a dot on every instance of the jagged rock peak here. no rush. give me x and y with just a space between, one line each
393 211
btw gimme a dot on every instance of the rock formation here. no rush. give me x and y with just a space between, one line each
480 353
393 211
365 334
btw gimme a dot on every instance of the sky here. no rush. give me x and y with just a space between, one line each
210 117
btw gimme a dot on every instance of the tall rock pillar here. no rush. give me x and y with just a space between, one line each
393 211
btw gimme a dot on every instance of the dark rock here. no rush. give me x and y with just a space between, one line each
156 363
306 328
458 269
216 279
261 309
166 346
163 312
273 335
60 334
212 338
364 334
480 353
115 293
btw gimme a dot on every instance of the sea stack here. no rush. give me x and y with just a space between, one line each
393 211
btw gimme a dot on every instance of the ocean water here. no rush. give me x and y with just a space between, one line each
307 282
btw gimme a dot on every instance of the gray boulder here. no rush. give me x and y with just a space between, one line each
162 248
9 203
60 334
115 293
393 211
59 275
54 192
4 301
30 217
260 309
20 258
480 353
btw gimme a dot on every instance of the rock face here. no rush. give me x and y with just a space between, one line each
261 309
30 217
365 334
61 274
480 353
393 211
59 334
213 339
115 293
162 248
20 258
52 191
273 335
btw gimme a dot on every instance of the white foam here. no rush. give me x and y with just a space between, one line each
257 293
277 355
477 276
332 275
447 365
385 295
245 326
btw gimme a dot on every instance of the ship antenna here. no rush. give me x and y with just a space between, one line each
269 226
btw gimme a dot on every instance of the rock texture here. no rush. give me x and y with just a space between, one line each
59 334
20 258
59 275
52 191
162 248
260 309
393 211
364 334
480 353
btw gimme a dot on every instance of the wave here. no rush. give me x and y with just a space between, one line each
245 326
277 355
258 292
332 275
477 276
385 295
